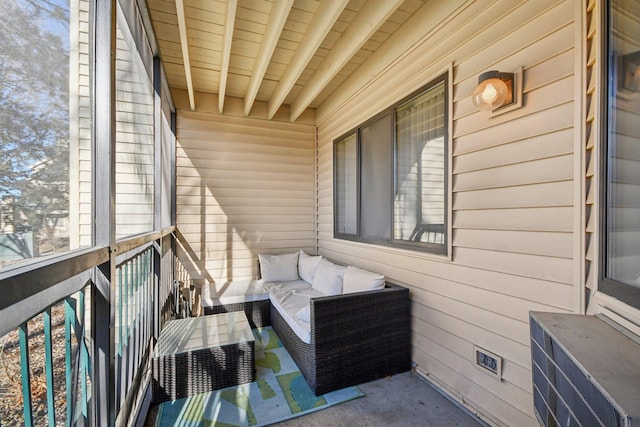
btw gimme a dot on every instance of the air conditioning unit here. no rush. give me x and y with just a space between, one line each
585 372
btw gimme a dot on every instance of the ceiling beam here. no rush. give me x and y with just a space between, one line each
424 23
226 50
184 42
277 19
367 22
322 22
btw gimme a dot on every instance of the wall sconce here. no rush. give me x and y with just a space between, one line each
498 92
629 75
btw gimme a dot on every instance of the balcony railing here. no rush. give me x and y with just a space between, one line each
48 357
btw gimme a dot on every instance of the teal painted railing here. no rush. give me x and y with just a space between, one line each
135 302
49 356
47 362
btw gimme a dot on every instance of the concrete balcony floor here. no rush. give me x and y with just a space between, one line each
401 400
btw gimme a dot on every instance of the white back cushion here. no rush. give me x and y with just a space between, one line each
359 280
279 268
328 278
307 266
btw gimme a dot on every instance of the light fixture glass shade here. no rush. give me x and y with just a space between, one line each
490 93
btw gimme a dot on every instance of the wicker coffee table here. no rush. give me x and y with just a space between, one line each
201 354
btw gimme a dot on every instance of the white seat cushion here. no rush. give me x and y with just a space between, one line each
304 313
236 291
288 303
285 286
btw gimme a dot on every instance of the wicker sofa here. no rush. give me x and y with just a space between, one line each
353 338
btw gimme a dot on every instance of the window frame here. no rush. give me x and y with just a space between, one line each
337 234
622 292
442 249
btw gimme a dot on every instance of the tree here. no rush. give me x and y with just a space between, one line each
34 108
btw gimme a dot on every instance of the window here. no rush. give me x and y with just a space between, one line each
621 225
45 129
390 175
346 193
134 135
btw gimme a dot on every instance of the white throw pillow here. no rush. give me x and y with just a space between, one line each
328 278
279 268
304 314
359 280
307 266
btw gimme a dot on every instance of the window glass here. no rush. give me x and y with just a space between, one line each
45 134
346 179
377 179
134 138
419 203
622 263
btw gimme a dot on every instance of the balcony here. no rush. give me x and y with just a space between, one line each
148 144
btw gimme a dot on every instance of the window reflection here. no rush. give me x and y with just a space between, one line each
44 115
623 169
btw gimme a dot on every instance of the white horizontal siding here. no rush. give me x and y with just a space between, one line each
513 213
244 186
80 141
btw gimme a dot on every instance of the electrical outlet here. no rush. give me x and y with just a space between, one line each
488 362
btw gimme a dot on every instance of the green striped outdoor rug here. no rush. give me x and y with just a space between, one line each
280 392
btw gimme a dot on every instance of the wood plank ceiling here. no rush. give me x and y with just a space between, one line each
293 53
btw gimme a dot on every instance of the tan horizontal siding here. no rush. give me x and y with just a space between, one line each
467 334
555 119
250 162
231 174
135 178
558 219
557 245
538 171
475 395
513 213
407 268
250 204
244 187
451 349
553 194
238 240
240 214
281 220
520 151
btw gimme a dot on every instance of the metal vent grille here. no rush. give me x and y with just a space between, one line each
564 394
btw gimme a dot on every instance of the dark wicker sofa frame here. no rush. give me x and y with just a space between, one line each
355 338
258 312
